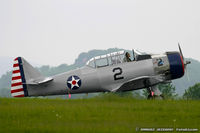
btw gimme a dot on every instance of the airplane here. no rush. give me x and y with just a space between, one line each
114 72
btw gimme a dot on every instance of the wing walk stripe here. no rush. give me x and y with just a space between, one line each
16 84
17 90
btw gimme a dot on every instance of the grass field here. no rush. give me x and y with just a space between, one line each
109 114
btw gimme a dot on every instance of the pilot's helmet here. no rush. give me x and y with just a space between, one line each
127 54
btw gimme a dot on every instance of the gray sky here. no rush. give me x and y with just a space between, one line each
56 31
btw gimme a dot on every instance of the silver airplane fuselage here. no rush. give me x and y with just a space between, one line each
115 75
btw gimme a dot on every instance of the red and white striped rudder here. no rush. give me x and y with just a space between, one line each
18 86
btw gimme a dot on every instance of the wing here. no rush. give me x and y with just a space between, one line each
140 82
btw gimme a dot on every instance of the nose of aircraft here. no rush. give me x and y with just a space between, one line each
177 63
177 68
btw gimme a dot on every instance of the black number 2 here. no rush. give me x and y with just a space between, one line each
117 75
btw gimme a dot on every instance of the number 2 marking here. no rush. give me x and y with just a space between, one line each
117 75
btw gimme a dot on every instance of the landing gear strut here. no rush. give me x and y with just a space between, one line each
154 93
151 93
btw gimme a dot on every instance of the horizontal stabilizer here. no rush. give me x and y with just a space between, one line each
35 82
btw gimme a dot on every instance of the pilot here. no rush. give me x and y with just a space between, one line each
127 57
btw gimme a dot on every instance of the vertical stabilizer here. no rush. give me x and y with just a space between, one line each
18 83
23 76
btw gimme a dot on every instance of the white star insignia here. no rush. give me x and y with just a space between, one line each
73 82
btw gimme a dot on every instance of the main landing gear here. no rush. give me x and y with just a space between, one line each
154 93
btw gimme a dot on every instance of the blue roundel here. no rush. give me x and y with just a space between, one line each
73 82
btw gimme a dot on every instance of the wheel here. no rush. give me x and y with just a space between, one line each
162 96
149 97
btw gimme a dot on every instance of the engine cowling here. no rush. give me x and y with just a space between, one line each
176 65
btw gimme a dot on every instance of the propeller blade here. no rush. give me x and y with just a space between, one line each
180 51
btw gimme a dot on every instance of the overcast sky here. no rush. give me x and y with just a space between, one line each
57 31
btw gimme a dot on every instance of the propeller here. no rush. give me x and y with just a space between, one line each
185 62
180 51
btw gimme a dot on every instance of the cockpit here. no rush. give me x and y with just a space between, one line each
116 58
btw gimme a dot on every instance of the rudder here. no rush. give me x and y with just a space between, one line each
24 76
18 83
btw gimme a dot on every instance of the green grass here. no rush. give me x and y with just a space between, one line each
109 114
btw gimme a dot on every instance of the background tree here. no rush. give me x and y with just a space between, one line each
4 92
192 92
168 90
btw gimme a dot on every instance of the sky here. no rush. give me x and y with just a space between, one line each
52 32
